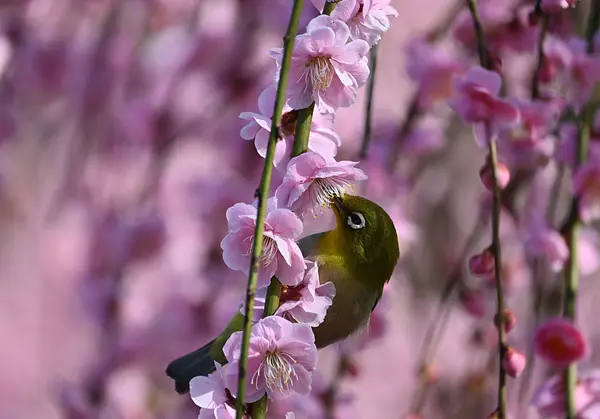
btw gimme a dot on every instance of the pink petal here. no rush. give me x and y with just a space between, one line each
345 10
249 131
234 214
266 100
486 78
285 223
234 247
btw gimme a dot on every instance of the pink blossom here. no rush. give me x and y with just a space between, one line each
281 360
325 69
367 19
306 302
280 255
311 181
475 99
322 139
554 6
211 395
569 65
549 398
559 342
548 244
530 144
432 67
514 362
586 184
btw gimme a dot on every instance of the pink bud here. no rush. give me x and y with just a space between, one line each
482 264
510 320
473 302
485 174
514 362
559 342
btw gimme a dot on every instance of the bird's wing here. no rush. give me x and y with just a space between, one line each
308 243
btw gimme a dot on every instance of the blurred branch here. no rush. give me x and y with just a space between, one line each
369 107
496 208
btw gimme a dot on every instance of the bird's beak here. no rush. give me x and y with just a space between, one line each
338 205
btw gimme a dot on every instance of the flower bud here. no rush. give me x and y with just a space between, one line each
514 362
482 264
559 342
473 302
510 320
487 178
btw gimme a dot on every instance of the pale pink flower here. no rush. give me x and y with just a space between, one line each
548 244
530 144
306 302
211 395
586 184
432 67
282 357
280 255
322 139
549 398
311 181
325 69
514 362
569 65
475 99
559 342
367 19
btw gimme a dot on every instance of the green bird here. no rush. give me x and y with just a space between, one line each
359 256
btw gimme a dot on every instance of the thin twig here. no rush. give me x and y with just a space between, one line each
496 208
262 194
369 107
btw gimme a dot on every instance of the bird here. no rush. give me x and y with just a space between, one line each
359 256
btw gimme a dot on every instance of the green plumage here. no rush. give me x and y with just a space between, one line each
359 261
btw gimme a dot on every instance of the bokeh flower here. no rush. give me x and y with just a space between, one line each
280 255
312 180
559 342
325 69
548 244
586 183
282 357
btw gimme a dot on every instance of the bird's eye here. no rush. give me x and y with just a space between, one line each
356 220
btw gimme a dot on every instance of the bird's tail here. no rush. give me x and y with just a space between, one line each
186 367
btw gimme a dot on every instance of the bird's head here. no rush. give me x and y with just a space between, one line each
365 235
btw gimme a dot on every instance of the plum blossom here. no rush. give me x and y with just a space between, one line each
322 139
367 19
549 398
586 183
325 69
211 395
548 244
311 181
559 342
568 65
475 99
280 255
282 357
432 68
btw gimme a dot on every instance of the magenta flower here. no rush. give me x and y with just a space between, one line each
325 69
281 360
280 255
514 362
212 396
548 244
559 342
549 398
432 68
322 139
311 181
586 184
475 99
367 19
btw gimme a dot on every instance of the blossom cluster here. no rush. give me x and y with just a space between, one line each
329 64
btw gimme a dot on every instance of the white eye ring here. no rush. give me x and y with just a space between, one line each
356 221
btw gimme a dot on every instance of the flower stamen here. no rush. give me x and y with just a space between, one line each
320 72
269 249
